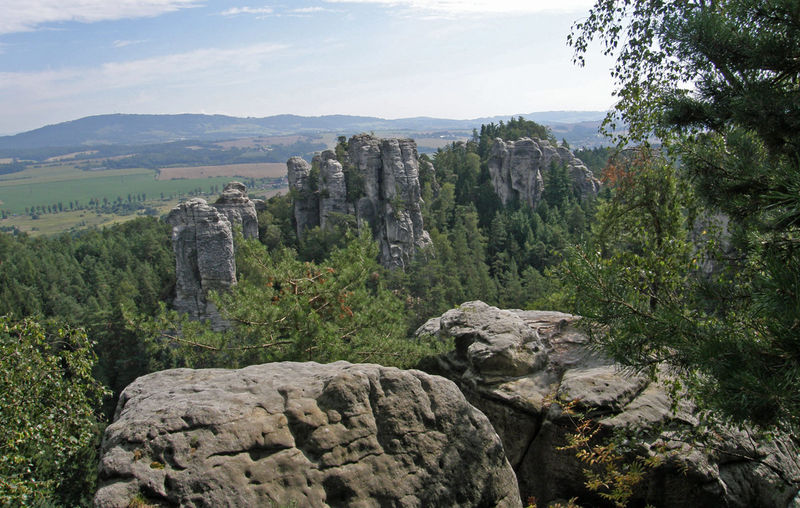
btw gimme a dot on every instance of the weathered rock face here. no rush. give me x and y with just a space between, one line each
332 188
238 208
204 259
390 172
512 364
517 169
306 201
303 434
390 206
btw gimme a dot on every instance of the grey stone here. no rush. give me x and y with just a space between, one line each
392 206
204 258
520 400
306 199
301 434
238 208
332 188
517 170
390 202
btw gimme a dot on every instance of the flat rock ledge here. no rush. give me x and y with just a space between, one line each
301 434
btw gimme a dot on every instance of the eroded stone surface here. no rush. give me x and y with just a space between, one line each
517 170
238 208
301 434
204 258
389 190
519 400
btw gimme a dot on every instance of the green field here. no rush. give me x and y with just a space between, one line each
44 185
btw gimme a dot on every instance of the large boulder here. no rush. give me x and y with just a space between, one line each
517 170
301 434
204 259
516 366
238 208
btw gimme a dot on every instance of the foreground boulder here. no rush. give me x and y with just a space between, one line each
516 365
301 434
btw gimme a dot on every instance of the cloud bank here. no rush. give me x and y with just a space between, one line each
27 15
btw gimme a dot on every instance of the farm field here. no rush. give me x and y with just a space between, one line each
252 170
69 221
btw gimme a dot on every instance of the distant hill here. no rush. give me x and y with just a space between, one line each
123 129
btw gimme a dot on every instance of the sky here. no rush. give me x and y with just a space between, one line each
62 60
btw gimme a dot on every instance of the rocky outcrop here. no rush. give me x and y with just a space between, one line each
301 434
306 199
332 188
238 208
515 365
388 172
204 259
517 170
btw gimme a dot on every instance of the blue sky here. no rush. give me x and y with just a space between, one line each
65 59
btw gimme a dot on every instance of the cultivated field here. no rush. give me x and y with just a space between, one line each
253 170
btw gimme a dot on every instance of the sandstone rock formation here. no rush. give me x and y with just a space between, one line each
301 434
204 259
306 200
517 170
332 189
390 206
512 364
238 208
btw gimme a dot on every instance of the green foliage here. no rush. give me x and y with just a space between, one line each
91 280
717 83
515 128
284 309
48 403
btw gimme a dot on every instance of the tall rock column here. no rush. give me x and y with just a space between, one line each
306 201
204 259
332 187
391 205
238 208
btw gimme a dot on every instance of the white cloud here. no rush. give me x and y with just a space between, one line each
235 11
26 15
193 68
482 7
309 10
123 43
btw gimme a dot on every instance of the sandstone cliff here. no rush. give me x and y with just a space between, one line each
390 190
301 434
514 364
517 170
204 259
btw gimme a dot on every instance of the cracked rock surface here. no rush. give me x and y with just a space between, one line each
515 365
301 434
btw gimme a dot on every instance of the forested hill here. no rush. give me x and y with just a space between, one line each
142 129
